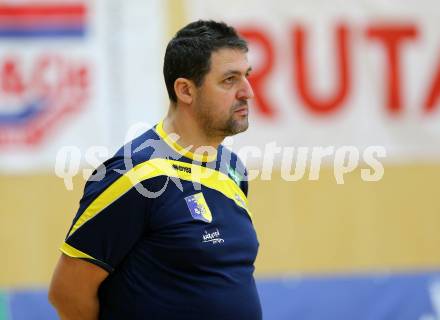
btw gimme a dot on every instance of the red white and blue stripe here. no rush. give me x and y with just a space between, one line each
42 20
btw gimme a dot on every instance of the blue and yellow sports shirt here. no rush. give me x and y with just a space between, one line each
174 230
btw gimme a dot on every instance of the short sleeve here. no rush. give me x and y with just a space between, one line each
110 221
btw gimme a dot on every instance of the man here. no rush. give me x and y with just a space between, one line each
165 232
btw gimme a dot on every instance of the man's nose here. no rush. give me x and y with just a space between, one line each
245 91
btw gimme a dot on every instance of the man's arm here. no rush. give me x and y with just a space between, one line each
74 289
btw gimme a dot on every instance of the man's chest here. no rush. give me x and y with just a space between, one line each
200 226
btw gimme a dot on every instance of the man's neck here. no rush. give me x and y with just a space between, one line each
189 133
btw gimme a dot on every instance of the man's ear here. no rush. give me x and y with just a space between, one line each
184 90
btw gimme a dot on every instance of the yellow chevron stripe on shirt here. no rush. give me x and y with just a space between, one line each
207 177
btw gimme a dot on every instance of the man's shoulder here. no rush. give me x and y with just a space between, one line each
131 154
146 146
135 152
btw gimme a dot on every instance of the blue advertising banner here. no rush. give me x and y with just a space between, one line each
409 296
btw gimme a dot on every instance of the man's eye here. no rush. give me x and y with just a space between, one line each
229 80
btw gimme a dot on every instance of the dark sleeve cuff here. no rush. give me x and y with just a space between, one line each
72 252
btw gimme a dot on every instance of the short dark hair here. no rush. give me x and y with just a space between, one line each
188 54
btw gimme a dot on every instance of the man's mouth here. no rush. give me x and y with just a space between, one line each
242 110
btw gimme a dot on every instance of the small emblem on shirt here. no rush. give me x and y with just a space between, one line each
234 175
198 207
213 237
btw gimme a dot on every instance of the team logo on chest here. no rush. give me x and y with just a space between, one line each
198 207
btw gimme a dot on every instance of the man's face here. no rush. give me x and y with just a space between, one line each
221 103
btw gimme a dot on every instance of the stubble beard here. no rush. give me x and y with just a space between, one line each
215 127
